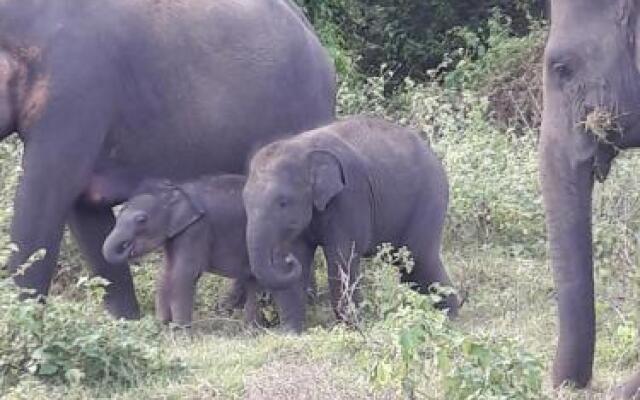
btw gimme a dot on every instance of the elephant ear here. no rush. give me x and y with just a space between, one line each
327 178
185 211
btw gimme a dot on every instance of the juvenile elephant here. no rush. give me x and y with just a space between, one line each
201 225
347 187
108 93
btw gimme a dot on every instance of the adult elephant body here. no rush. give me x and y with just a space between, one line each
107 93
591 111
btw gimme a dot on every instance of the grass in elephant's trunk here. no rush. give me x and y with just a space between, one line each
601 122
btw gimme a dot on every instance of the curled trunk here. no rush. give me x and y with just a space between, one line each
116 248
272 269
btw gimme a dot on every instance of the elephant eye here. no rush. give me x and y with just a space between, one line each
562 70
283 203
141 218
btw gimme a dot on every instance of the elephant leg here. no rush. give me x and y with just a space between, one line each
343 265
312 285
630 390
304 252
46 194
163 295
427 271
236 297
292 307
90 226
424 243
186 264
251 304
61 150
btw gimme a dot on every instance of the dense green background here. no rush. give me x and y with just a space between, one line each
410 36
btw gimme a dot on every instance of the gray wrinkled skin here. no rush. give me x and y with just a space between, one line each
590 63
107 93
201 227
347 187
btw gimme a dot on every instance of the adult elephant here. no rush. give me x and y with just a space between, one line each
591 111
106 93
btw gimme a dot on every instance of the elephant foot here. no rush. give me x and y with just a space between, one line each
290 329
120 306
630 390
234 299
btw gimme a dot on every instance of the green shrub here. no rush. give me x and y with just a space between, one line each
507 69
410 36
412 346
10 171
74 342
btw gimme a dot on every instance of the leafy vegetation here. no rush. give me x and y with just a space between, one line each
73 342
409 36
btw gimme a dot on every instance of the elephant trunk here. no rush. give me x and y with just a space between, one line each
567 185
273 269
117 247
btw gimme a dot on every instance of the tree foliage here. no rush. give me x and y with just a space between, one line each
409 36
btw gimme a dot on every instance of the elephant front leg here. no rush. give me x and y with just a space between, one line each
90 226
44 198
292 307
183 290
163 295
185 270
251 303
343 265
292 302
60 152
236 297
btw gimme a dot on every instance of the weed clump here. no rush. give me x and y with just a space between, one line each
73 343
411 345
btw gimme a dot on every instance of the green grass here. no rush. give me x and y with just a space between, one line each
506 297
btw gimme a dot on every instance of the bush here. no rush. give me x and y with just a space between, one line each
10 170
410 36
412 346
74 342
507 69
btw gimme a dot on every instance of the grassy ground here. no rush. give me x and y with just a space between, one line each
506 296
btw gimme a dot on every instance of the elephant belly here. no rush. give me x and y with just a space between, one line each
109 187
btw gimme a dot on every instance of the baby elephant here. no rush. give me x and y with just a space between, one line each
348 187
201 225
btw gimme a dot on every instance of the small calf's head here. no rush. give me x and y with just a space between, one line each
159 212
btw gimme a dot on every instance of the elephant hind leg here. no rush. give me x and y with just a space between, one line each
90 226
427 272
424 243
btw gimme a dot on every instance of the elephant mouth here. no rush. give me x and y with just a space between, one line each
282 253
127 249
288 258
602 123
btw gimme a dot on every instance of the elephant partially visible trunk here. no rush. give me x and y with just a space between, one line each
567 184
272 268
117 247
